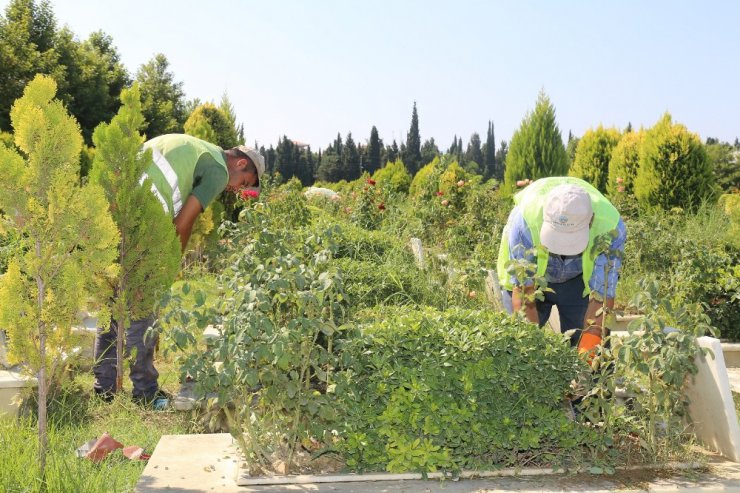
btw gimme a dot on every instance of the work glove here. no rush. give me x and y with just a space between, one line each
587 343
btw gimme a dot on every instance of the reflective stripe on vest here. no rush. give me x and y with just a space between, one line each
531 200
174 159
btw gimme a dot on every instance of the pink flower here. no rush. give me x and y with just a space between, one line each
439 194
445 202
620 189
620 180
523 183
370 181
249 194
461 183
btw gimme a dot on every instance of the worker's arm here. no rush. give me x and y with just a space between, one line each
592 323
186 218
526 298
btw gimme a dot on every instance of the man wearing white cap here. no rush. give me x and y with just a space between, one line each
554 225
187 174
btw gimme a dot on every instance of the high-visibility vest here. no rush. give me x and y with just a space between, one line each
532 202
174 157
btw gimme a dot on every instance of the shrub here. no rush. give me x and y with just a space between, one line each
674 170
425 182
593 154
368 284
393 178
427 390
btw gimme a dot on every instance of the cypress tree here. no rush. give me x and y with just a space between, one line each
351 159
67 239
412 156
149 250
624 163
674 170
489 153
373 152
593 155
536 149
474 153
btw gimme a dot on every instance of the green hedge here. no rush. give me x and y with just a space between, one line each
425 390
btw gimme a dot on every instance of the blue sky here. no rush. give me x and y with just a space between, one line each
310 69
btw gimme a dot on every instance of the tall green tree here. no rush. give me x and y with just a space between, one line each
162 99
501 153
412 156
725 163
93 78
224 131
27 34
351 159
593 155
536 149
674 169
330 169
149 250
474 153
228 109
429 151
489 154
68 239
392 152
285 159
373 152
571 147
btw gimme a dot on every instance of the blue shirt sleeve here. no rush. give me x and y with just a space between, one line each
612 264
520 240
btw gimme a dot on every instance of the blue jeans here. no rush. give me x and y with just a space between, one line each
142 342
568 297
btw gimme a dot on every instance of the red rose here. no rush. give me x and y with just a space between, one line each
439 194
370 181
381 206
249 194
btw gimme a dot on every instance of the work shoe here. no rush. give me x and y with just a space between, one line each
160 401
105 395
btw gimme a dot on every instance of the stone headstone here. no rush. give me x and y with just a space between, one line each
712 409
418 251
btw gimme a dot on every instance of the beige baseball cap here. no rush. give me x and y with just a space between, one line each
567 215
257 159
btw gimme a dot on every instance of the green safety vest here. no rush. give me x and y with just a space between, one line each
174 157
532 200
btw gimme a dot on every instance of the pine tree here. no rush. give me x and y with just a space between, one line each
501 153
373 152
489 154
412 156
149 250
674 170
68 239
536 149
392 152
593 155
331 169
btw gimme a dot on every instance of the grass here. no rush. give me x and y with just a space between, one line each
76 417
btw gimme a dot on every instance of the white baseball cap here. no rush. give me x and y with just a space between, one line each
257 159
567 215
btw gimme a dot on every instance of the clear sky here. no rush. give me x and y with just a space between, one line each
310 69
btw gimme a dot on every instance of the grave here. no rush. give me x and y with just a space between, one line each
12 385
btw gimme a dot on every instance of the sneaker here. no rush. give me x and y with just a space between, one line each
158 402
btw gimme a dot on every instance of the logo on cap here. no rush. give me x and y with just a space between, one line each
563 219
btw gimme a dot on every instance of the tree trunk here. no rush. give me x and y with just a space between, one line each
42 388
